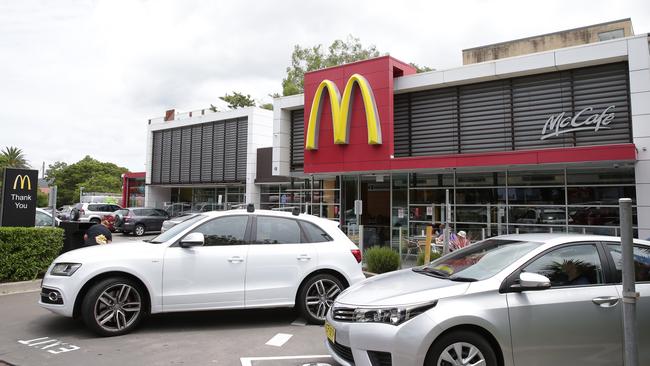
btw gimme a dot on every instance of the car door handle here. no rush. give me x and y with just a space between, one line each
605 301
303 257
235 259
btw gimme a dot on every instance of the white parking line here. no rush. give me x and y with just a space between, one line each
248 361
279 339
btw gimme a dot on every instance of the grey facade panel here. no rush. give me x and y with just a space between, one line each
186 147
297 139
156 157
195 160
510 114
211 152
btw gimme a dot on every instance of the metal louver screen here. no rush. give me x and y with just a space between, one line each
511 114
206 153
297 139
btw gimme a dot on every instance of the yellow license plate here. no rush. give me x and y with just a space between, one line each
330 332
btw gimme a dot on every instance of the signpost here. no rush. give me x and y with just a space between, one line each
19 197
630 296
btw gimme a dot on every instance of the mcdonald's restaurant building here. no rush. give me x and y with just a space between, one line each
543 142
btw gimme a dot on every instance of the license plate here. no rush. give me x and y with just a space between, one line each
330 332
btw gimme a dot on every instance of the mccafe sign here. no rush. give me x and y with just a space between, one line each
585 120
19 197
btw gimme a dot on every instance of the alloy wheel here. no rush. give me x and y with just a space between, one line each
139 230
117 307
320 297
461 354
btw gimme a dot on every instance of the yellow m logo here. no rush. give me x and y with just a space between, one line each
342 111
23 179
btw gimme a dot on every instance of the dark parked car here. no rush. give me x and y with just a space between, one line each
179 208
139 220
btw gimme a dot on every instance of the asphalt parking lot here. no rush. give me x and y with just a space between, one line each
30 335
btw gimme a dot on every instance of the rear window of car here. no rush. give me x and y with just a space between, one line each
140 212
314 233
95 207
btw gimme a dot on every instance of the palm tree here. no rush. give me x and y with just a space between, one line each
12 157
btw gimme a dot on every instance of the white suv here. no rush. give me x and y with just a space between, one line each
92 212
216 260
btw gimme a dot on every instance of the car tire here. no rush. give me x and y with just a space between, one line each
468 341
114 306
95 221
316 296
139 230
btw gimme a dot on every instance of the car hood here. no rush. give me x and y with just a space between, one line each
112 251
400 288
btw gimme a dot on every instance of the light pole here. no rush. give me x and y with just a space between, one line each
81 190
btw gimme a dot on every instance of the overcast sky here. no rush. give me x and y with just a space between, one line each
83 77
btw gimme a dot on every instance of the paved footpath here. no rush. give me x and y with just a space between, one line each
30 335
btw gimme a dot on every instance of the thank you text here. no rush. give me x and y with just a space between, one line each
584 120
19 197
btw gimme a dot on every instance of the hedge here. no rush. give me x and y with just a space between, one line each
434 255
381 259
27 252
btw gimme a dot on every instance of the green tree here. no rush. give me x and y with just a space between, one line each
238 100
93 175
305 59
42 199
421 68
268 106
13 157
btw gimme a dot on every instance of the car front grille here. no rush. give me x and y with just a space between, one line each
342 351
343 314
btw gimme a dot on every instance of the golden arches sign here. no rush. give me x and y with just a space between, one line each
342 111
23 179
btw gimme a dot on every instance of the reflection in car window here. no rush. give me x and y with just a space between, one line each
641 262
277 230
481 260
229 230
175 230
314 233
570 266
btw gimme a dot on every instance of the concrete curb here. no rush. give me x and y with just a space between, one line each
19 287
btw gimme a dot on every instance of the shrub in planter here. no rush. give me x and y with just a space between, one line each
434 255
381 259
26 252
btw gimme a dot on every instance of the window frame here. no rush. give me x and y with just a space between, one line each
612 264
253 241
608 276
247 232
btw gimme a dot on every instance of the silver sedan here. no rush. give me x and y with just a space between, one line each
534 299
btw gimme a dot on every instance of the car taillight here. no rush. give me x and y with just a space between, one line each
82 212
357 254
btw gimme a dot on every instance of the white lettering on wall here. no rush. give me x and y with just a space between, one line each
560 124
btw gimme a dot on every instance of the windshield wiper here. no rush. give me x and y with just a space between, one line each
463 279
432 271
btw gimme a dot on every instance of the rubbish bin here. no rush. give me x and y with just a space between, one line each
74 234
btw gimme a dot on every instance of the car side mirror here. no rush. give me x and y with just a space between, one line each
192 240
533 281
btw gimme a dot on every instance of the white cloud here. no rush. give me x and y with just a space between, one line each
83 77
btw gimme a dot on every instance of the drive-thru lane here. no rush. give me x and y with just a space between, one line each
33 336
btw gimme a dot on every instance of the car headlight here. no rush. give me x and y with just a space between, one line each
64 269
391 315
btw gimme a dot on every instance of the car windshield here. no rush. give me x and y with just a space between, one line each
173 231
479 261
